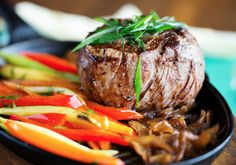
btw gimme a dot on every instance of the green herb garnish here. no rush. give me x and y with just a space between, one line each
138 81
131 31
12 97
9 97
91 111
50 92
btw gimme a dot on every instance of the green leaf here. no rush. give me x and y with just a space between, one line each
108 38
163 27
167 19
140 43
94 37
141 28
143 21
154 15
111 22
138 81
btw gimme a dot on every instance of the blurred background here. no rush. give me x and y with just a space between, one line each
218 14
213 22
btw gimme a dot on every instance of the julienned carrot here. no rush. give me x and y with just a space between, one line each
105 145
55 143
93 145
52 61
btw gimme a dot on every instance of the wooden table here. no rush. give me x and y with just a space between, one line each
228 157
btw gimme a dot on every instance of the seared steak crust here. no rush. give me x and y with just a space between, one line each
172 71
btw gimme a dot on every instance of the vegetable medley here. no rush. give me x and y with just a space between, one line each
40 99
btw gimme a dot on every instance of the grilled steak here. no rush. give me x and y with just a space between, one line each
172 71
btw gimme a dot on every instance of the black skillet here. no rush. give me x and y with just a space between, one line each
24 38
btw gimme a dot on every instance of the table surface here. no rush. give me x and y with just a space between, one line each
228 157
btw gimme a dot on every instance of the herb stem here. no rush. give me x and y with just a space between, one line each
138 81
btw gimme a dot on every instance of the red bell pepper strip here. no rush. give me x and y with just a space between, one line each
68 125
49 119
92 135
14 117
41 137
27 120
52 61
87 135
71 101
115 113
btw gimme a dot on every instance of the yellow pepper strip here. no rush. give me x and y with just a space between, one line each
109 124
20 73
73 116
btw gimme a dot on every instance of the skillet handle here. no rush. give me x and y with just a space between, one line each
17 28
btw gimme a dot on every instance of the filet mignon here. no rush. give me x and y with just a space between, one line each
172 71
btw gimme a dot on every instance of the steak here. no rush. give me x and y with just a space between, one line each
172 68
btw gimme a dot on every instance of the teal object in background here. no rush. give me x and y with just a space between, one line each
4 33
222 74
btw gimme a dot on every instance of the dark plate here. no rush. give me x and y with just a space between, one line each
208 98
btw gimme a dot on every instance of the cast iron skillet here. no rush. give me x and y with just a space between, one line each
208 98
